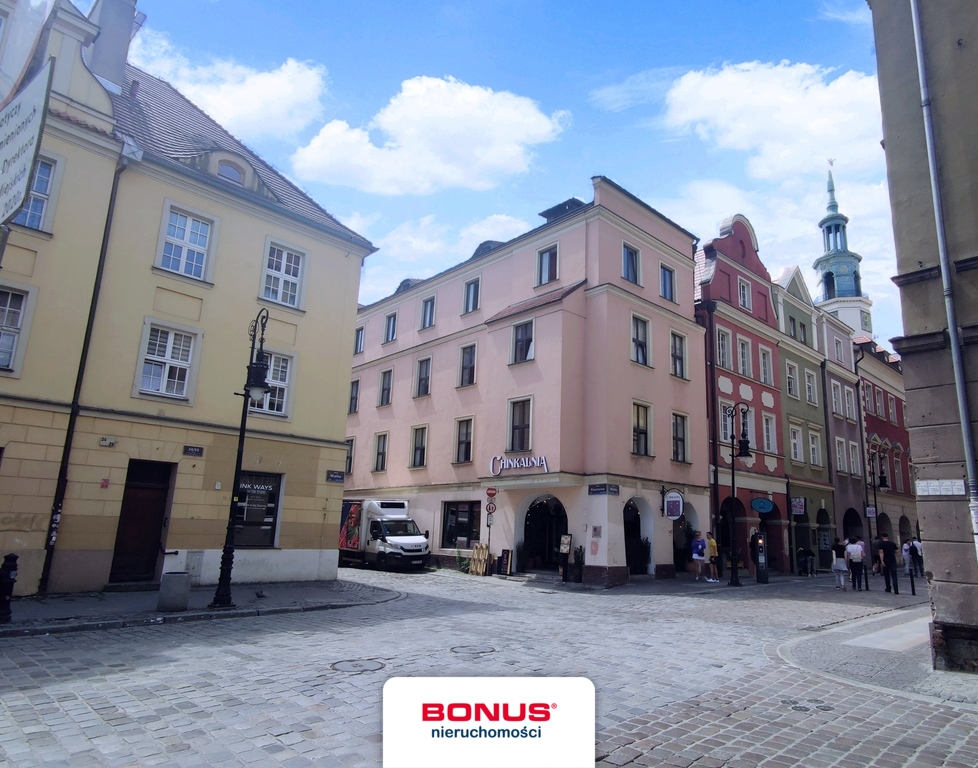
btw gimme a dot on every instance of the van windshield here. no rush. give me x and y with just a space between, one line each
401 528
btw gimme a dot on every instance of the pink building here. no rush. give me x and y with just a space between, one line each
564 369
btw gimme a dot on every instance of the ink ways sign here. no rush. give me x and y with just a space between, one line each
487 722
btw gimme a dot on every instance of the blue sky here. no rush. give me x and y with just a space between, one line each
429 127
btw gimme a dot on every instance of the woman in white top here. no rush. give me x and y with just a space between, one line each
854 559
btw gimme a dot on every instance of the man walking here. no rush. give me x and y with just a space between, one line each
888 563
917 556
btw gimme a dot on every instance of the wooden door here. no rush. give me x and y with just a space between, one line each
140 533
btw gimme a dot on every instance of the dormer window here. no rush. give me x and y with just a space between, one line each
230 172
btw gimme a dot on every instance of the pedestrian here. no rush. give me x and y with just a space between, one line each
699 552
809 561
713 553
917 556
875 552
839 568
907 557
855 552
867 558
888 563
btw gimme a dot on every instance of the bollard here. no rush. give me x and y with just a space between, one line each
8 577
913 588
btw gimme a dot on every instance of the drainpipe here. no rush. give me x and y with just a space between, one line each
957 364
862 431
62 485
711 307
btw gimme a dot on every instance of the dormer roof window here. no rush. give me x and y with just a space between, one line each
230 172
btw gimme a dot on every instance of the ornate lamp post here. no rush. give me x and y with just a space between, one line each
878 482
256 387
742 452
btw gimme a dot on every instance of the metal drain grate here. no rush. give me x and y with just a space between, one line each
473 650
357 665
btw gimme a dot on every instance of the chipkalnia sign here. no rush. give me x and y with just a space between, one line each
21 123
498 463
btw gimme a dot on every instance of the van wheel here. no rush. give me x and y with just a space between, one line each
382 562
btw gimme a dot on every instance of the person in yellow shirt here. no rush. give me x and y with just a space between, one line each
714 556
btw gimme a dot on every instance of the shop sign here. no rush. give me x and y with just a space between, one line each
603 489
193 450
334 476
871 512
798 505
763 505
21 124
673 505
498 463
565 544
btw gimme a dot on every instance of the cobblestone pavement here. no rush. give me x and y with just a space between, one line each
790 674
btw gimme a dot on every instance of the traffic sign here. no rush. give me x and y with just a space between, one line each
490 507
489 520
490 492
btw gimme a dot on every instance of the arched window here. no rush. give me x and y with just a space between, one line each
828 283
230 172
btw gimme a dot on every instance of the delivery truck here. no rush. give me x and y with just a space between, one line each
381 532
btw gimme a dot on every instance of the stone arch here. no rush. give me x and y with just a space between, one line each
852 523
637 523
544 522
883 525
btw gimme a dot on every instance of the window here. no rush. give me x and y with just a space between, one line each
794 434
283 275
640 340
898 475
791 378
167 358
743 293
840 355
677 349
667 283
802 333
38 197
630 264
519 420
815 448
463 441
428 312
349 456
12 305
891 401
679 437
850 403
275 399
466 373
380 454
792 330
523 342
723 350
726 416
185 244
423 384
386 385
879 404
419 443
854 458
770 433
640 430
390 327
766 368
256 514
836 398
230 172
354 396
460 524
358 341
840 455
811 388
470 296
547 266
743 357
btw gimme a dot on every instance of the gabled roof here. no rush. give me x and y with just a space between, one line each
169 128
793 283
544 299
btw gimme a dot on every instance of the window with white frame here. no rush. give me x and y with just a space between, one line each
792 328
679 427
276 399
891 401
354 396
897 474
428 312
815 448
283 275
186 241
358 341
419 446
463 441
723 350
523 342
769 424
466 368
791 379
840 455
811 388
743 357
743 293
470 296
547 266
794 436
667 282
630 264
35 213
230 172
850 403
422 384
677 353
840 355
380 452
854 463
879 403
386 387
13 305
836 398
167 358
519 425
868 397
641 445
390 327
640 340
349 456
727 427
802 333
767 370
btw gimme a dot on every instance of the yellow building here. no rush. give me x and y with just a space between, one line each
151 240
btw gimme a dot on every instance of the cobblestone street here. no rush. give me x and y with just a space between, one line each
793 673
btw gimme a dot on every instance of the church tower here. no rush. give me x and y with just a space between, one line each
840 284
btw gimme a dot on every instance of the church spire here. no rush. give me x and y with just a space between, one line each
833 206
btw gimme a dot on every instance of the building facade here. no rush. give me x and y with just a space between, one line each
563 369
150 242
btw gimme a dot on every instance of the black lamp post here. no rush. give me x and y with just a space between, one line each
879 482
743 452
256 387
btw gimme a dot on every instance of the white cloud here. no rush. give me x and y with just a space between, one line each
648 87
437 133
857 15
235 95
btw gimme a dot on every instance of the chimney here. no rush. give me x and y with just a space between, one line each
107 55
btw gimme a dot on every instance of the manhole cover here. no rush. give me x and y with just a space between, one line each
470 650
357 665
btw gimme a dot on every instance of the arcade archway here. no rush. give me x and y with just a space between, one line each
545 523
852 523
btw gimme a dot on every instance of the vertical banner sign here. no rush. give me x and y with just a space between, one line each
798 505
21 123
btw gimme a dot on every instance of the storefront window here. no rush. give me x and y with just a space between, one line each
461 524
257 511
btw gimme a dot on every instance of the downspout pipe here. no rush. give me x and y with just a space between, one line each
957 363
54 523
711 308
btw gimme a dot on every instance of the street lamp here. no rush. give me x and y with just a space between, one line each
879 482
256 387
743 452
